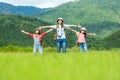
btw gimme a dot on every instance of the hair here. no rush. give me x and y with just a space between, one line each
35 31
85 33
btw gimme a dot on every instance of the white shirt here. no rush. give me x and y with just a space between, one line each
60 31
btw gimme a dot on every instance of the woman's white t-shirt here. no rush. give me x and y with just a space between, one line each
60 31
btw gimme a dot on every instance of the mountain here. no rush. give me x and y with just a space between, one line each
10 26
98 16
6 8
113 41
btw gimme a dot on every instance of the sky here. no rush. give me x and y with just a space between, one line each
36 3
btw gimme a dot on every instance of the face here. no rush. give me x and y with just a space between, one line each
82 31
37 31
60 21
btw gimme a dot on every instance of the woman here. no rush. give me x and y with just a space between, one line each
61 38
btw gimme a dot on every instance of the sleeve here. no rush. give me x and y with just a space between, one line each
31 35
43 34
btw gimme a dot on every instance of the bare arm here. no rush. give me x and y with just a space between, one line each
68 26
49 30
24 32
91 34
72 30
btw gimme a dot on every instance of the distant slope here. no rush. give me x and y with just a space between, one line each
10 26
6 8
113 41
99 16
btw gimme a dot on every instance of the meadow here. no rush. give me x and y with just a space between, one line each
93 65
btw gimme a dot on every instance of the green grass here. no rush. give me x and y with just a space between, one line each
95 65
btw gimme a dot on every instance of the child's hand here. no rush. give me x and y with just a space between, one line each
94 34
51 29
22 31
78 26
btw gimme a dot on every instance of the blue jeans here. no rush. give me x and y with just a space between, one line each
37 47
83 46
61 43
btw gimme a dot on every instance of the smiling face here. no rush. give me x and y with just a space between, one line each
82 31
37 31
60 21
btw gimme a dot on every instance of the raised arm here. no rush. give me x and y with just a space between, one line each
72 30
49 30
68 26
24 32
91 34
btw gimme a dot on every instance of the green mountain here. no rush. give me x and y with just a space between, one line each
98 16
113 41
10 26
6 8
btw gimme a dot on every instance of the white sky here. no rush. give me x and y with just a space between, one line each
36 3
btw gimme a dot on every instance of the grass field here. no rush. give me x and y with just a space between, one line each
95 65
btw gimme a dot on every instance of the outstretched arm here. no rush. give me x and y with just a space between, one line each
49 30
24 32
68 26
72 30
91 34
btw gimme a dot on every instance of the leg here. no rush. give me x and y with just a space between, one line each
40 49
80 46
58 46
35 49
85 47
64 45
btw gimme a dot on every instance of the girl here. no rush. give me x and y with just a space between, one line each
37 36
61 38
81 38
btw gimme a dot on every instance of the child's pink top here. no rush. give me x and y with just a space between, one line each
81 37
40 37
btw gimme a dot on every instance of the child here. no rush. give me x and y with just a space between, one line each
37 36
81 38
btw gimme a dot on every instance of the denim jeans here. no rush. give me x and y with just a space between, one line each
37 47
83 46
61 43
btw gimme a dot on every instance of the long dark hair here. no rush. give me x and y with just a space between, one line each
36 30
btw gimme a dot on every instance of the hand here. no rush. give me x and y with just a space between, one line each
22 31
79 26
39 28
51 29
94 34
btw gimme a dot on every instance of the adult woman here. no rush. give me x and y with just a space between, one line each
61 38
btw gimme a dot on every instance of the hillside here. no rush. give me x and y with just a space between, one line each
99 16
10 26
6 8
113 41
